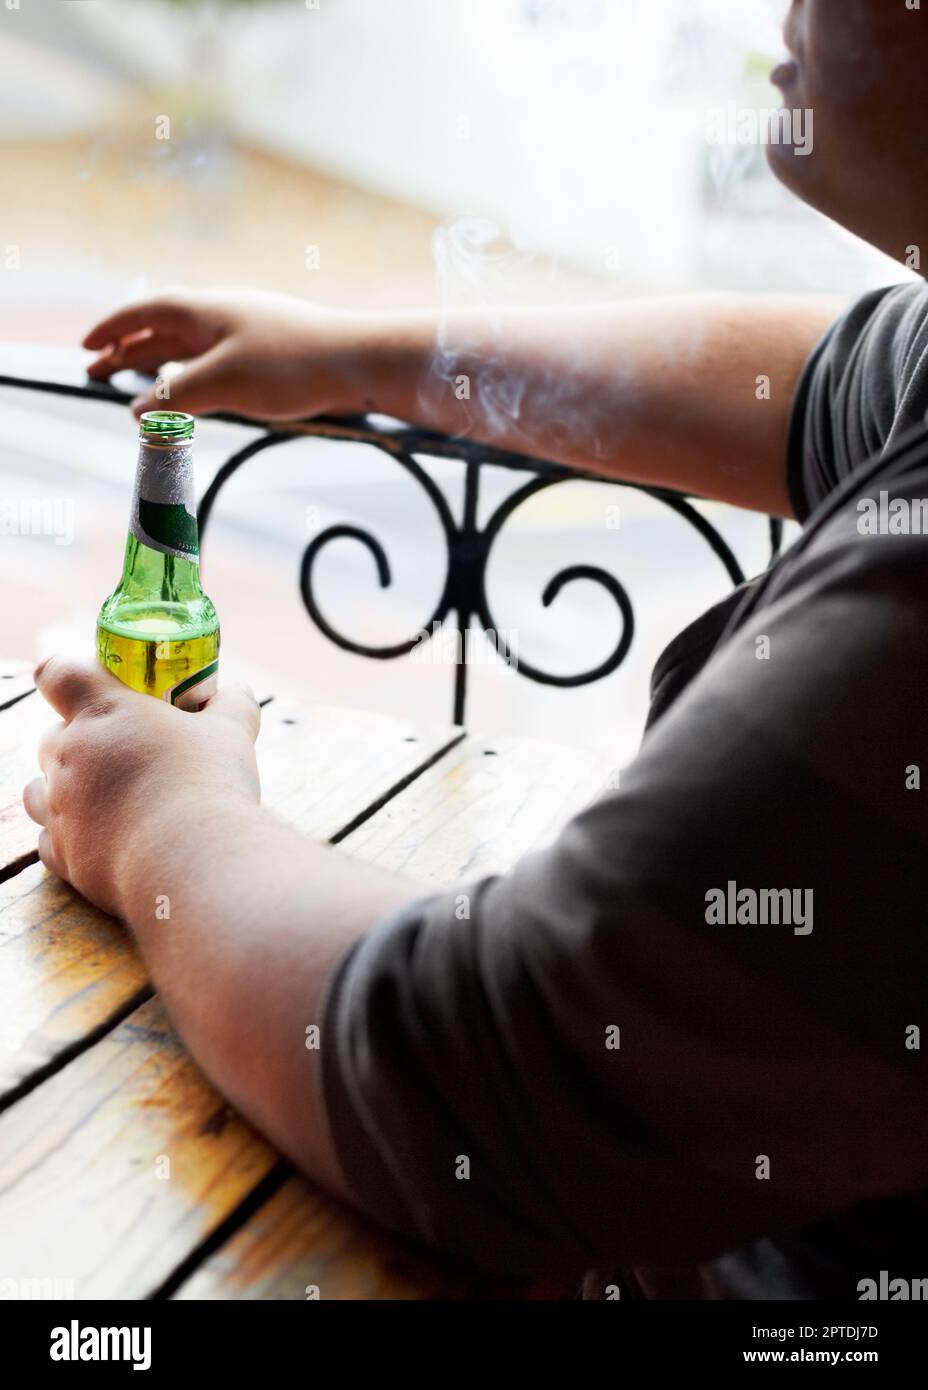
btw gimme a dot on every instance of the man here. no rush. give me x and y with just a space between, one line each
744 918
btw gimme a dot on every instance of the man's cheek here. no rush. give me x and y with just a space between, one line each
853 52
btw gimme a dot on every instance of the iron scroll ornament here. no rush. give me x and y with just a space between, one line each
464 592
469 547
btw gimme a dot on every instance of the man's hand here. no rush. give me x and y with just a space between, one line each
269 356
120 761
142 803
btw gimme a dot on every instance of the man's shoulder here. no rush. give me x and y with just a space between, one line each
878 333
875 521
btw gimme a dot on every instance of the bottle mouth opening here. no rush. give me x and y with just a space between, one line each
166 425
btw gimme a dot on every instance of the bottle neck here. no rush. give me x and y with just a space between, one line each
163 547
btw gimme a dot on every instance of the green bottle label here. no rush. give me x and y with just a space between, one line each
163 515
169 527
194 690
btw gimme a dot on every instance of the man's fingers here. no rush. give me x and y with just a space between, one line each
69 685
47 752
143 353
236 702
201 386
35 800
48 856
157 315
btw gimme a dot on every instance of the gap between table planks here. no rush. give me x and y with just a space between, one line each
102 1088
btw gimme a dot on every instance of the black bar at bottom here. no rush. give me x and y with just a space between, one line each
200 1339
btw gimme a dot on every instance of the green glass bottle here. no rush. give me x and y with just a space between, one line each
157 631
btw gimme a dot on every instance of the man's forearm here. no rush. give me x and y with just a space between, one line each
240 920
693 393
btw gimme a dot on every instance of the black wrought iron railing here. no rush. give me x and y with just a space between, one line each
464 600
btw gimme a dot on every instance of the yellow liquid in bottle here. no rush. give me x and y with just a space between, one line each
156 657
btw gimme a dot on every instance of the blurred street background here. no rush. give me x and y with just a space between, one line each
316 149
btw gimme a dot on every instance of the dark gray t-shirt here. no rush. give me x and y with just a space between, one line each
766 1096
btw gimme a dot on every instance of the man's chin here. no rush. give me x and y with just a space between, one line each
791 165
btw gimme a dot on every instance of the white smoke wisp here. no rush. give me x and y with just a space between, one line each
481 273
475 276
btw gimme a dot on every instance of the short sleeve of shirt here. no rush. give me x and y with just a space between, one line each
864 386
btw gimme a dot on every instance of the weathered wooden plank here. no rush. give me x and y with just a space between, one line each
476 812
323 767
302 1245
112 1170
66 970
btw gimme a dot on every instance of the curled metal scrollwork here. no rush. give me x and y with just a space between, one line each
318 543
464 595
552 589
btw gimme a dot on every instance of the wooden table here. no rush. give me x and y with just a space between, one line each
123 1174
